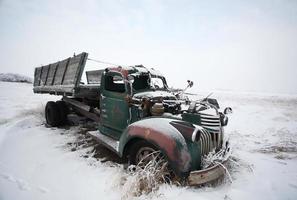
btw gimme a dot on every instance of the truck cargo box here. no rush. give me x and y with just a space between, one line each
64 78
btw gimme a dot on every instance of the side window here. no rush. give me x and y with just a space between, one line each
114 83
141 82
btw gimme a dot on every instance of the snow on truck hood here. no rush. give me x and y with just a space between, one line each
154 94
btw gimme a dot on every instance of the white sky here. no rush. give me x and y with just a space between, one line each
233 45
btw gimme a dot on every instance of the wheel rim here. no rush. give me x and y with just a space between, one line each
146 154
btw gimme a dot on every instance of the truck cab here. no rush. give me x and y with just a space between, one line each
126 97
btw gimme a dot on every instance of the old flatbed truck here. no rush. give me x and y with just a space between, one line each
137 114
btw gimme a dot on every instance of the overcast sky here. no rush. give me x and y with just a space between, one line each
234 45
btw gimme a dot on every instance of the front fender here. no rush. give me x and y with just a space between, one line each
164 136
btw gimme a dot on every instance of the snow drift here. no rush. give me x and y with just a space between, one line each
10 77
37 162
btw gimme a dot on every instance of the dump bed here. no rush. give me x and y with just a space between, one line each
64 78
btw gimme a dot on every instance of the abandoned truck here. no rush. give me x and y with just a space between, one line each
137 114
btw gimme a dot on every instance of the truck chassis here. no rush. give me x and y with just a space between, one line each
128 112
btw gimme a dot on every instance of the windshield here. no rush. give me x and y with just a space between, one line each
157 83
140 82
145 82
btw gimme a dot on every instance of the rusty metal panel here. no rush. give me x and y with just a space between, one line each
94 77
206 175
37 75
51 74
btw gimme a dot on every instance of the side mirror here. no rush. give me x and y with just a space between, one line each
190 83
228 110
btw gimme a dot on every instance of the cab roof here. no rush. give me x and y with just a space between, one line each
137 69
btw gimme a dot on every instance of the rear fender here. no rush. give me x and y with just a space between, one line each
159 132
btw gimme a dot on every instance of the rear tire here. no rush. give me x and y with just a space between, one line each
52 114
63 109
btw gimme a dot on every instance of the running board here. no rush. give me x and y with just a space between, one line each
110 143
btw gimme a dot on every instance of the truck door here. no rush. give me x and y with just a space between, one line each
114 107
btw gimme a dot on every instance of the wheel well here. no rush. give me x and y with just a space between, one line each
135 140
131 143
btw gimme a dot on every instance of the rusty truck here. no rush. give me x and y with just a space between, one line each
136 113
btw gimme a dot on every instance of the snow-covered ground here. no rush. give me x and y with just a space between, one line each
10 77
37 163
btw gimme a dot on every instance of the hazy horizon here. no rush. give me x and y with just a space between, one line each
229 45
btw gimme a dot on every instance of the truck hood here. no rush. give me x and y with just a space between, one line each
155 94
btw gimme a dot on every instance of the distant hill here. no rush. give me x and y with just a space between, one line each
10 77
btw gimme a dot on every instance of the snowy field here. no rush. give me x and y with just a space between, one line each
37 162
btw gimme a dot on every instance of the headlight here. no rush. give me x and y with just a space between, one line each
228 110
223 119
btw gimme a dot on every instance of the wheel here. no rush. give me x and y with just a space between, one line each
63 109
52 114
142 152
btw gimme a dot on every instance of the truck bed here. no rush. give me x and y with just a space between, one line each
64 78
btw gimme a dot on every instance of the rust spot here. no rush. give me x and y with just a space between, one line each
147 133
117 110
121 70
180 157
165 142
186 129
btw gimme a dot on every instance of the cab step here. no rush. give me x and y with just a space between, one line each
109 142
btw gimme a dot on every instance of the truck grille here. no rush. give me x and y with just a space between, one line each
210 122
211 135
206 142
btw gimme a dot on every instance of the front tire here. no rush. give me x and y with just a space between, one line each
142 152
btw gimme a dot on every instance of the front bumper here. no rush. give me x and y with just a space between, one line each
211 173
